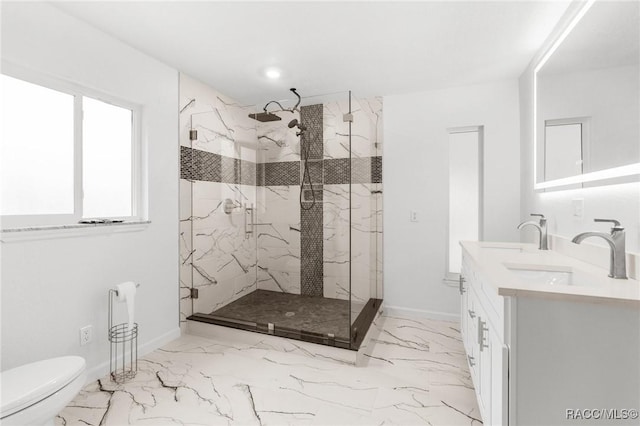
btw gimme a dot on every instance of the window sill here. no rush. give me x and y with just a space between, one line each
72 230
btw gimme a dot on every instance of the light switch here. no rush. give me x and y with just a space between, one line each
578 207
414 216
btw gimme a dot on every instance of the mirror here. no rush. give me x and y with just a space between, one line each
587 99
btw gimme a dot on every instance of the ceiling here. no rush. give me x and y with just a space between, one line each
371 48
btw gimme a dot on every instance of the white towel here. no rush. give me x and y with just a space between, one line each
127 294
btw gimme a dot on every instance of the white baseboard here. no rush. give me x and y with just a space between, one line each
397 311
102 370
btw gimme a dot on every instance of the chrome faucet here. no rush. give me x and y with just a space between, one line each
618 265
541 226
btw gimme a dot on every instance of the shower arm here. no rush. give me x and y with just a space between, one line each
277 103
294 109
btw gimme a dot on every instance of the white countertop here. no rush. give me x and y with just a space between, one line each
490 259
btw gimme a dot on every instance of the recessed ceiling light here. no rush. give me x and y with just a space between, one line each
272 73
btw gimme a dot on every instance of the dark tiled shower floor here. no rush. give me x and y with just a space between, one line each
294 311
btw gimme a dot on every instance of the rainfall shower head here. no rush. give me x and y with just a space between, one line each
264 117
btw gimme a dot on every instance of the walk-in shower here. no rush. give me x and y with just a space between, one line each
281 225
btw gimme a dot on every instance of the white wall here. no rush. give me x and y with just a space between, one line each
52 287
415 175
621 202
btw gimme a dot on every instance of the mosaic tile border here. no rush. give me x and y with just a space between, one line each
312 117
277 174
312 248
376 169
316 171
363 170
207 166
311 214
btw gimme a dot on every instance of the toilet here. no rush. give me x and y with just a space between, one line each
33 394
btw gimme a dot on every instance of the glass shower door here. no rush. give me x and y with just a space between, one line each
223 145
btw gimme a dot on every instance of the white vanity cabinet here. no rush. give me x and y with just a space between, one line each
538 353
482 327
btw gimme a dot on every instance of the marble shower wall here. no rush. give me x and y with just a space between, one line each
279 241
278 192
216 257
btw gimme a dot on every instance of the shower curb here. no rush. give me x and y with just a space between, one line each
242 337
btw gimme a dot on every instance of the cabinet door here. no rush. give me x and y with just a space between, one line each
487 356
493 374
499 381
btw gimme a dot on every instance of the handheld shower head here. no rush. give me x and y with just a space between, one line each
295 123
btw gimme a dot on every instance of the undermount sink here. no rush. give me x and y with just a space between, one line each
551 275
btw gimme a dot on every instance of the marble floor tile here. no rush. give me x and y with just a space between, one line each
417 374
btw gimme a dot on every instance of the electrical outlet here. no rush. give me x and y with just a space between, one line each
413 216
86 334
578 207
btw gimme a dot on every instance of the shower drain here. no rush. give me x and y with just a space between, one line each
289 314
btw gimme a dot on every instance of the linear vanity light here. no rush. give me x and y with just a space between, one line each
616 172
543 60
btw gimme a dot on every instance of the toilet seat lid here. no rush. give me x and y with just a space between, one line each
25 385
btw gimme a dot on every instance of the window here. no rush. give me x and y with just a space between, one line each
465 192
106 159
66 155
566 147
37 150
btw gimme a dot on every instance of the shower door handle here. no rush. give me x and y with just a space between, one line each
248 225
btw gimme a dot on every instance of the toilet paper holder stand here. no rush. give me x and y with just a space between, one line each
123 348
116 290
